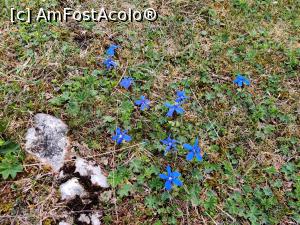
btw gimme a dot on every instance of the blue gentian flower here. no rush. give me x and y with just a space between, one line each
193 151
120 136
109 63
142 102
126 82
174 108
241 80
111 50
170 143
171 178
181 97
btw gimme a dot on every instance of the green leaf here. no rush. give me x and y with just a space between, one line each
108 119
114 179
96 72
210 202
3 125
117 177
151 201
195 195
8 147
126 109
136 166
10 166
158 222
151 170
124 190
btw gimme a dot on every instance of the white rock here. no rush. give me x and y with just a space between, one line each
70 189
84 218
63 223
61 174
95 219
82 167
85 168
47 140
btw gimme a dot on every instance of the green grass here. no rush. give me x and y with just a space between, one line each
250 136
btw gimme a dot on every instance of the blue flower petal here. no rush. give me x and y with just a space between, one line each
177 182
142 102
188 147
127 138
168 105
109 63
190 156
178 100
196 143
198 156
175 174
119 141
168 148
165 142
180 96
138 102
168 185
170 112
144 106
241 80
126 82
120 136
163 176
247 82
118 130
179 110
114 137
169 170
111 50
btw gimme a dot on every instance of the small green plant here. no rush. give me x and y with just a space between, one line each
11 159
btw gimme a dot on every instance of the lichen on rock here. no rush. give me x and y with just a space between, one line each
47 140
85 168
70 189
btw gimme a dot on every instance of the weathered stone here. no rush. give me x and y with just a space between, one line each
90 218
85 168
84 218
63 223
95 219
70 189
47 140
